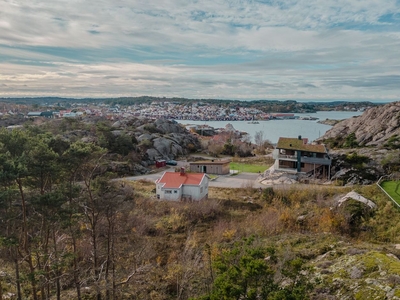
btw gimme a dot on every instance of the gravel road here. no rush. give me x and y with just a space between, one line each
241 180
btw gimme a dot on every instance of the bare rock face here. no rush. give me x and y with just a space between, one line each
166 126
171 146
373 128
167 148
164 139
153 154
144 136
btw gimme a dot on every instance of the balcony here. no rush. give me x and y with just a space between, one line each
316 160
304 159
277 155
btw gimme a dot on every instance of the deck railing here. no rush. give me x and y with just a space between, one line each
304 159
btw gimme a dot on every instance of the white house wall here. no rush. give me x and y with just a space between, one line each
192 191
195 191
170 194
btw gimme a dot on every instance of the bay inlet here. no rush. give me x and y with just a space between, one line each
274 129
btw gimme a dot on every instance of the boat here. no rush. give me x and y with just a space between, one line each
308 118
253 121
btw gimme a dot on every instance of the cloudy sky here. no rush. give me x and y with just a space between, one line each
228 49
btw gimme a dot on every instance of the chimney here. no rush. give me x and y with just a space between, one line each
182 171
299 137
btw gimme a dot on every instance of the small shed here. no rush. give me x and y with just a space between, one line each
161 163
214 166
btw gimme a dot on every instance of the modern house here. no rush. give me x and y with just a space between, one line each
218 167
297 156
46 114
177 186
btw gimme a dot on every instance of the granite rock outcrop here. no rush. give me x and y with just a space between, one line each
377 126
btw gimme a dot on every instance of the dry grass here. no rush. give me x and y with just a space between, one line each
294 219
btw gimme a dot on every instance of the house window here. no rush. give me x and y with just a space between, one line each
168 192
201 189
175 191
158 196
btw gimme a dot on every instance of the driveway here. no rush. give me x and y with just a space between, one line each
241 180
150 177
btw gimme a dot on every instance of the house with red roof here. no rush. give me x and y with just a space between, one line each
177 186
296 155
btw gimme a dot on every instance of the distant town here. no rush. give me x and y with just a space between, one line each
169 108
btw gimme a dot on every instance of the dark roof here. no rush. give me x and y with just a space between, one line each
298 144
39 113
210 162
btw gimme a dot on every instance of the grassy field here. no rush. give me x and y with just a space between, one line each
249 168
393 189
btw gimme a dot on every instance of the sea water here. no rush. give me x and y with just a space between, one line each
274 129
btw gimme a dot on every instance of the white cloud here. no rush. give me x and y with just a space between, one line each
223 48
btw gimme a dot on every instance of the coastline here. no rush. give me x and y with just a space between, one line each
274 129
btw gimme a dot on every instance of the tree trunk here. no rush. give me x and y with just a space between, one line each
106 276
17 279
76 270
57 271
25 241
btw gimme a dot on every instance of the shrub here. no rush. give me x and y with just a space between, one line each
393 142
151 128
268 195
356 160
350 141
146 144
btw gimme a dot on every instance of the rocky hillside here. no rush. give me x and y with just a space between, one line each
378 126
133 144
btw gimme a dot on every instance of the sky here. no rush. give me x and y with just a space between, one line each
220 49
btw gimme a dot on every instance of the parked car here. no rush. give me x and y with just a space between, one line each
171 162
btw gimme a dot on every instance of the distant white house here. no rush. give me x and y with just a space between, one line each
176 186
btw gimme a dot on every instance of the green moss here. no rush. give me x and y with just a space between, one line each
367 293
397 293
371 264
342 273
374 261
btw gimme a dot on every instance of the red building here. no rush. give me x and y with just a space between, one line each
161 163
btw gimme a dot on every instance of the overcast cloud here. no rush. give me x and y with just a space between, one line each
228 49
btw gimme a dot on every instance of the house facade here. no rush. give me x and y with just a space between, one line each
296 155
218 167
181 186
